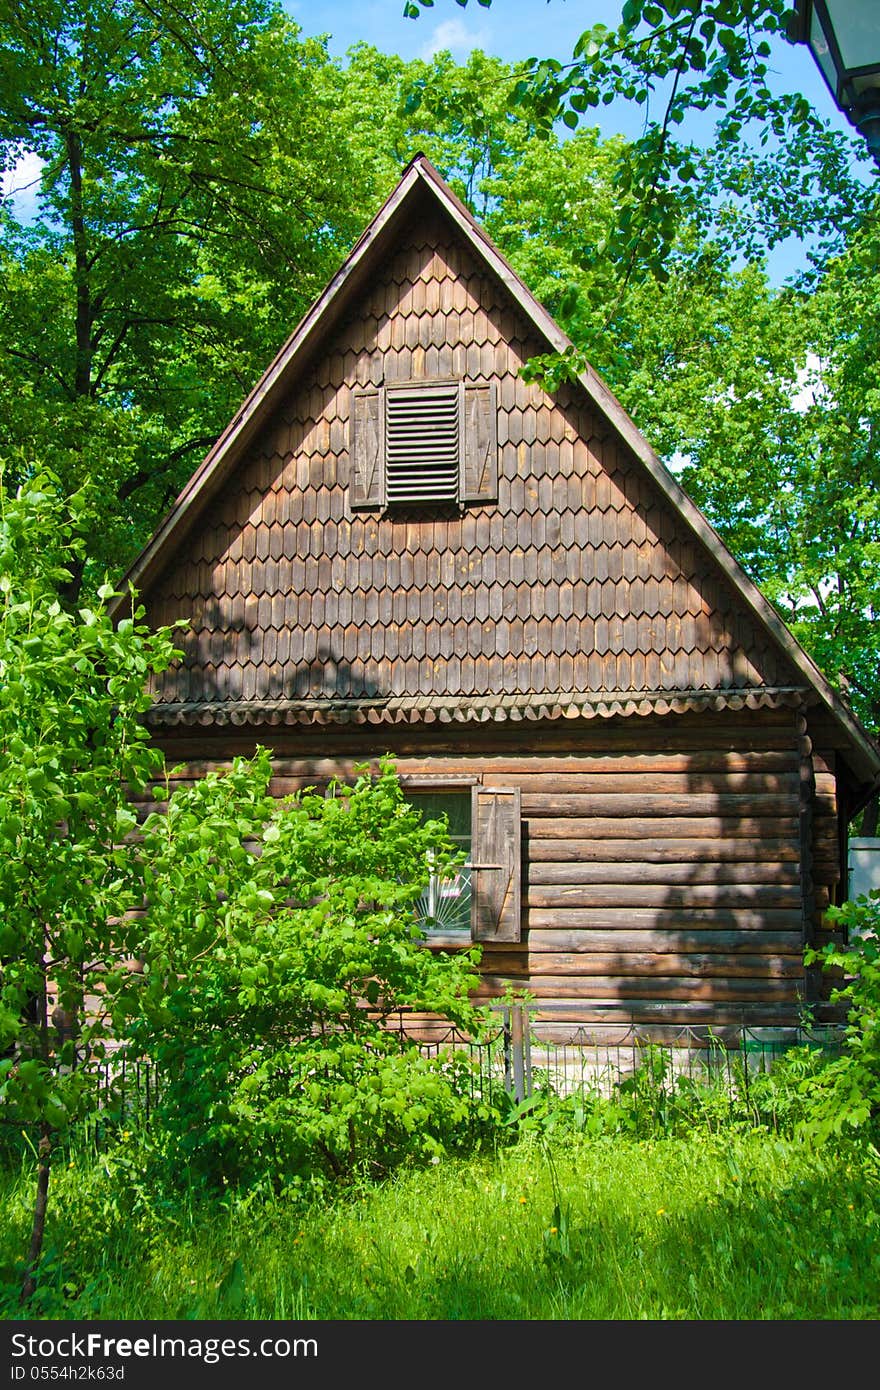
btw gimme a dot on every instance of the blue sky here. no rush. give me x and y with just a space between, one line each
509 29
512 30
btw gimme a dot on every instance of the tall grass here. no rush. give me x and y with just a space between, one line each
705 1225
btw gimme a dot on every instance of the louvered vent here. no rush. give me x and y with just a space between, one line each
422 449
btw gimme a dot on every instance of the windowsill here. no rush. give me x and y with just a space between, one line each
445 939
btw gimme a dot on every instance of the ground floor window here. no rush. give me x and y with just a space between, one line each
444 907
481 901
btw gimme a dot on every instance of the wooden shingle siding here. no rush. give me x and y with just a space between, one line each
579 579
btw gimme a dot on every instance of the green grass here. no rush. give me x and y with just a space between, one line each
711 1226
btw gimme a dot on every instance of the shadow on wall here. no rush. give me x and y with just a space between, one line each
686 905
248 661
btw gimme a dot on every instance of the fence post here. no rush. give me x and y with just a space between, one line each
519 1039
505 1044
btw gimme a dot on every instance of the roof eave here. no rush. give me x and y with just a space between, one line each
221 460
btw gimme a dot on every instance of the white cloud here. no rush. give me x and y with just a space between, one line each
808 385
454 35
22 177
21 184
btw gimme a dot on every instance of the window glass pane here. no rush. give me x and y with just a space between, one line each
819 45
455 806
445 905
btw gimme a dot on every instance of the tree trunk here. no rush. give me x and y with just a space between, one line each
41 1203
82 382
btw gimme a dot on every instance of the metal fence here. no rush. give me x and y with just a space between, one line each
513 1063
518 1059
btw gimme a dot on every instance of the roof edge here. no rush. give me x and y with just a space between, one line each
420 173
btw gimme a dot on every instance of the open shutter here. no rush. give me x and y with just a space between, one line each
367 449
479 455
495 854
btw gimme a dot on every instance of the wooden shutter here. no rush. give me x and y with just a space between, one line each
367 449
495 855
479 455
422 442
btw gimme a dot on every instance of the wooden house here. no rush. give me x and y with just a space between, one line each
398 546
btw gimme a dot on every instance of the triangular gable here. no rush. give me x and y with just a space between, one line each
597 584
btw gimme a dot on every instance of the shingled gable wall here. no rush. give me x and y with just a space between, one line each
573 639
578 581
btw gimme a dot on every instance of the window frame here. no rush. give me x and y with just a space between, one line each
495 861
477 443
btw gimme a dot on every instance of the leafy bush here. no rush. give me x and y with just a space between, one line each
72 742
281 952
846 1093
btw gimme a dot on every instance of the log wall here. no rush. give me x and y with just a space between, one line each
672 869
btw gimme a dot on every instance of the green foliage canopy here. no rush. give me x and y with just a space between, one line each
195 195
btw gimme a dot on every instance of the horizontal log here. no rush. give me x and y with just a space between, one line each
548 871
710 966
646 803
624 940
752 1014
691 896
664 919
660 850
708 761
640 828
589 782
678 987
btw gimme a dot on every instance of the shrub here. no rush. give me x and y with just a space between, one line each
846 1093
280 950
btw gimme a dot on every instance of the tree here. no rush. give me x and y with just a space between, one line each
650 254
195 195
280 950
72 744
772 167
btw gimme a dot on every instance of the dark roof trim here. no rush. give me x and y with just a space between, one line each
418 177
465 709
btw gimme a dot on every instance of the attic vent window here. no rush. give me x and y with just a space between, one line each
423 443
